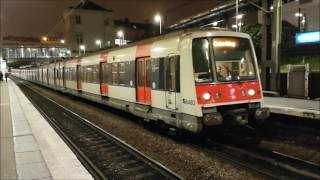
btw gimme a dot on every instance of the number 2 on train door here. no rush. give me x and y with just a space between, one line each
143 90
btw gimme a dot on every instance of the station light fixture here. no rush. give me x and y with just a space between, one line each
239 16
215 23
297 14
98 43
83 48
120 35
62 41
45 38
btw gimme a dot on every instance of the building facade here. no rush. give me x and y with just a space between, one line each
88 27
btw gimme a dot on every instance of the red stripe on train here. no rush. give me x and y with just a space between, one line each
103 57
143 50
227 92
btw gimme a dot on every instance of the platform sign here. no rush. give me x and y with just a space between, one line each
308 38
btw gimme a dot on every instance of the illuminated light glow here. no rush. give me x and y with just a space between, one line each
308 37
158 49
215 23
62 41
240 16
98 42
44 38
157 18
298 14
234 26
206 96
120 33
224 44
82 47
251 92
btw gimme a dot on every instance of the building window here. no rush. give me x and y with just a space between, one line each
78 19
79 38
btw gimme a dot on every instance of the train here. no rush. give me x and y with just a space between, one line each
193 80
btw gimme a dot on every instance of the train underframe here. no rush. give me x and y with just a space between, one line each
240 122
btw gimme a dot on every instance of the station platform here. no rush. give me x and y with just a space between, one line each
30 148
293 107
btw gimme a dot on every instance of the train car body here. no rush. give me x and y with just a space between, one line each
191 80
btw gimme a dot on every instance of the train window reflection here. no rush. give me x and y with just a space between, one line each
233 59
201 60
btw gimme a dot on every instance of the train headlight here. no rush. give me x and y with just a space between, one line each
206 96
251 92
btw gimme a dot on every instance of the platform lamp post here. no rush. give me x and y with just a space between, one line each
237 13
299 15
157 18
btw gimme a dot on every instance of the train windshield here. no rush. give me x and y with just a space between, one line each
227 59
233 59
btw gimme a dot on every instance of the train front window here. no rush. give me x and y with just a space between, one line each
201 60
233 59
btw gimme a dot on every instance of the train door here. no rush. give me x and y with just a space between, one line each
78 78
143 70
104 78
172 83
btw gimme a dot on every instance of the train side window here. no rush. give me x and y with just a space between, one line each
122 71
172 74
83 74
114 71
201 60
74 74
95 74
161 73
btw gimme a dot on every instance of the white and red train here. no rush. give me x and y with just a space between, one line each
191 79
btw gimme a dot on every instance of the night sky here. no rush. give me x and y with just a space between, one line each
35 18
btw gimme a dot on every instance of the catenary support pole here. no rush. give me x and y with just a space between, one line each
276 45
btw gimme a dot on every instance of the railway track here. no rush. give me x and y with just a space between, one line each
267 163
104 155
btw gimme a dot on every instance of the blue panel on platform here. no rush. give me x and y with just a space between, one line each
308 37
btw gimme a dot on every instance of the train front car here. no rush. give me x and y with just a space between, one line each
227 82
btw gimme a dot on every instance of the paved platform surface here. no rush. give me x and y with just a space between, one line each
30 148
294 107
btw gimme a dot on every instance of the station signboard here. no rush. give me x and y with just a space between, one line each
308 38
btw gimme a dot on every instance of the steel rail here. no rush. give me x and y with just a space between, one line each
143 162
270 163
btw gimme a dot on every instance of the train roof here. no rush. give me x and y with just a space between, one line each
164 36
